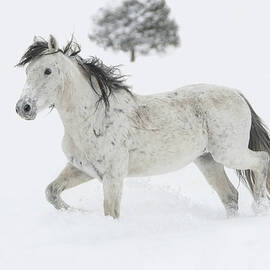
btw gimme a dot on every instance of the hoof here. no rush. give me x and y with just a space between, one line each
231 213
261 207
232 209
53 197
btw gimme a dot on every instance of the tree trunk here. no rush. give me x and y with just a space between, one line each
132 55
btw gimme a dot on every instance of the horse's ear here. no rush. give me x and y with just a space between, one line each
52 43
35 39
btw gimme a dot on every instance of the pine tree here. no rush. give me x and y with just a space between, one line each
137 27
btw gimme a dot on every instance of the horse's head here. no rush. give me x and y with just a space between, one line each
44 80
55 75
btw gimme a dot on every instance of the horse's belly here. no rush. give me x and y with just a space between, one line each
146 167
162 159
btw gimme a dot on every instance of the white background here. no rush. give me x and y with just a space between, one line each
174 221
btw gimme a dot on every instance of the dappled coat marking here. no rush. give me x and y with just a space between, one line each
112 133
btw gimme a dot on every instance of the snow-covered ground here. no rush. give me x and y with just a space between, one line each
173 221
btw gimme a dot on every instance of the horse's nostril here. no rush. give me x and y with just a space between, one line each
26 108
17 109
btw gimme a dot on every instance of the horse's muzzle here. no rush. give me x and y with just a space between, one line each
26 108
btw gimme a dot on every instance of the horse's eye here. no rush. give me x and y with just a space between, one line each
47 71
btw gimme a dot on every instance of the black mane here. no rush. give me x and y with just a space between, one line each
33 51
108 78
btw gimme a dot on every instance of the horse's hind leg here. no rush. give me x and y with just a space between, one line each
257 162
217 178
68 178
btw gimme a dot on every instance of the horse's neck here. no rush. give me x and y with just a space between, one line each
77 102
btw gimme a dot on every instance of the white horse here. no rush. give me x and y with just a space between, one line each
111 133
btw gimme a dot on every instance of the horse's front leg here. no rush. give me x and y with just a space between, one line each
68 178
112 188
113 185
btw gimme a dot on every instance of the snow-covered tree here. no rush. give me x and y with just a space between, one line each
135 27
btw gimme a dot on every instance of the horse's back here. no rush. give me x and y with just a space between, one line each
211 102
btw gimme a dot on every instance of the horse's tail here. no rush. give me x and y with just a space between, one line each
259 141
